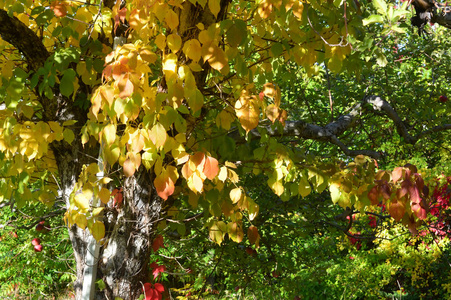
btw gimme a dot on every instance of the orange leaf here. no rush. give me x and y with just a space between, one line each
59 8
211 168
199 160
129 167
253 235
396 210
164 185
125 87
397 174
186 171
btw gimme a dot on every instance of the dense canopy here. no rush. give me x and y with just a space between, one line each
142 119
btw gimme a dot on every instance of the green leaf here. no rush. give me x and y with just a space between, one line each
373 19
68 135
381 6
67 82
195 100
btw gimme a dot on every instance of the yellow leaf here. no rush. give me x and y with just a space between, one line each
81 201
81 221
265 9
269 90
235 232
235 195
172 172
276 186
214 6
98 230
172 19
304 187
148 55
174 42
160 41
233 176
170 66
218 231
193 50
109 133
195 99
297 8
222 174
215 56
128 167
104 195
247 111
195 183
252 209
230 164
158 135
272 112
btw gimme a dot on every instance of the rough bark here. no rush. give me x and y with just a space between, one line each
124 258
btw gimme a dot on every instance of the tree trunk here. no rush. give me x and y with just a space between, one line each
124 259
124 256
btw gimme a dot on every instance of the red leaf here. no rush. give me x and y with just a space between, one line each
159 287
419 182
120 18
373 195
385 190
157 269
419 211
117 194
157 243
405 186
152 295
414 194
147 286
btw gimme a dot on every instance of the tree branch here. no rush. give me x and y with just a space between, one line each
331 132
13 31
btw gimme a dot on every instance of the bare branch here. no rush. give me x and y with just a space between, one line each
331 132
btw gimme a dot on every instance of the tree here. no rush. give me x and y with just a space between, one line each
128 110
